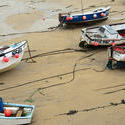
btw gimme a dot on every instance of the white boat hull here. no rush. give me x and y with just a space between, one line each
13 62
104 35
17 121
118 56
115 55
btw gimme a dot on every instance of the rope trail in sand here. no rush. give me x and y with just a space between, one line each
53 85
27 83
29 99
72 112
67 50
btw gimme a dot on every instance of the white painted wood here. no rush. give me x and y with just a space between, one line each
13 62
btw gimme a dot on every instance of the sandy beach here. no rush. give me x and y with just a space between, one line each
49 83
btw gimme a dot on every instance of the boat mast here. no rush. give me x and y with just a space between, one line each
81 6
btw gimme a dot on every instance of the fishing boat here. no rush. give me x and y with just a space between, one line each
15 114
10 56
84 17
113 34
116 57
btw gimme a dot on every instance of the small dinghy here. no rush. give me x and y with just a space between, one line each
10 56
15 114
75 18
116 57
113 34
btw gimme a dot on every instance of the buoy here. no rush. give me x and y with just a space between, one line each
69 18
84 17
16 55
44 18
113 43
94 15
96 43
102 14
7 112
6 59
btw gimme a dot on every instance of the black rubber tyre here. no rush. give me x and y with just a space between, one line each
83 44
109 64
114 64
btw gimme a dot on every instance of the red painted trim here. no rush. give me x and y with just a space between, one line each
122 34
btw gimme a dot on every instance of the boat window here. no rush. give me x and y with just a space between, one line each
102 29
110 30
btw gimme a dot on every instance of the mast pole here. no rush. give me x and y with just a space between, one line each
81 6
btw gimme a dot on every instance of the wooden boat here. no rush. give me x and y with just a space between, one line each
95 15
113 34
116 57
10 56
20 114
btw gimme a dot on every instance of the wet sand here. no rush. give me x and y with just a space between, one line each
89 87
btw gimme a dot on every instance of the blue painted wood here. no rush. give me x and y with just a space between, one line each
78 18
1 104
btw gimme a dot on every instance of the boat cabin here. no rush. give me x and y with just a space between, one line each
107 32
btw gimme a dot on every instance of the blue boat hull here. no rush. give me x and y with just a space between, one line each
84 18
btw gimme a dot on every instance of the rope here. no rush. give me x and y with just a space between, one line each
31 82
52 29
58 84
50 86
30 56
111 104
67 50
100 70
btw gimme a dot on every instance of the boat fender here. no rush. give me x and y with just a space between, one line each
102 14
84 17
5 59
44 19
113 43
94 15
13 109
16 55
69 18
96 43
7 112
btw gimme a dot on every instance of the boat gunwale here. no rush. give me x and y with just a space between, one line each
25 41
102 39
19 105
